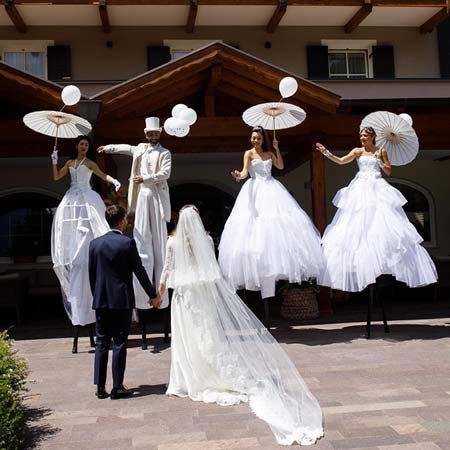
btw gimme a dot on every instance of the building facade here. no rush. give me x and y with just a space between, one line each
136 59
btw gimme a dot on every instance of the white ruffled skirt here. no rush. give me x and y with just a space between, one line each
79 218
370 235
268 237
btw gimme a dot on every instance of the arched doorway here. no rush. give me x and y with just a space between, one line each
213 203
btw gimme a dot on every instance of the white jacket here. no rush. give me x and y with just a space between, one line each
162 163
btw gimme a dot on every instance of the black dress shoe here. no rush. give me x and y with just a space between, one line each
101 393
121 392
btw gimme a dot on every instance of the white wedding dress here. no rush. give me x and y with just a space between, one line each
371 235
79 218
268 236
221 352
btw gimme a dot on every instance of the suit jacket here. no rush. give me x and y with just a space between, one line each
162 163
113 258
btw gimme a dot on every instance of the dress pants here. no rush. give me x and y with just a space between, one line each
111 325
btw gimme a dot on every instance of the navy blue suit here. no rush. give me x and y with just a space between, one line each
113 258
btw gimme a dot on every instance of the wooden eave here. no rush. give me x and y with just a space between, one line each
36 93
241 74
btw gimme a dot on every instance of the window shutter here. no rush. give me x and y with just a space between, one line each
317 58
58 62
443 31
383 61
157 56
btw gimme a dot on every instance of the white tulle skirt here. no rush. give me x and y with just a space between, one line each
268 237
79 218
371 235
221 353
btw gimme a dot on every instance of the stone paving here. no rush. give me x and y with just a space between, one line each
388 393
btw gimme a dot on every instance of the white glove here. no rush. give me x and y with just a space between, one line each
116 184
54 157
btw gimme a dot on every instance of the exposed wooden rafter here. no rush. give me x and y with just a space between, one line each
192 16
15 16
102 9
362 13
390 3
431 23
278 14
210 95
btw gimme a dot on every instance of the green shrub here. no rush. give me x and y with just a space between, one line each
13 373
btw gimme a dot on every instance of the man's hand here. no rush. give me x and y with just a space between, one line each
138 180
101 149
156 302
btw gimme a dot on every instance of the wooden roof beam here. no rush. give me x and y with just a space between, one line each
192 16
15 16
210 96
103 11
434 21
278 14
356 20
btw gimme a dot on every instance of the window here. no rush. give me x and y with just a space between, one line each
182 47
419 209
348 63
350 58
31 62
26 223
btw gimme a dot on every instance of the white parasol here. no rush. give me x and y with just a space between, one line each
395 135
274 116
59 124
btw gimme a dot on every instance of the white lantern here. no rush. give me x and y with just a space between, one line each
176 110
70 95
189 115
169 126
407 118
288 87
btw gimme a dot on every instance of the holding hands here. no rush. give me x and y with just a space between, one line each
155 302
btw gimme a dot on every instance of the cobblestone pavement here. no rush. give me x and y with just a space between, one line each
388 393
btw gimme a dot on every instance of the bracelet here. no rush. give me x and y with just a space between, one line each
327 153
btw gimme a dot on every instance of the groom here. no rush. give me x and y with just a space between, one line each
113 258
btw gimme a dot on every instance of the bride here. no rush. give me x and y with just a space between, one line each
220 351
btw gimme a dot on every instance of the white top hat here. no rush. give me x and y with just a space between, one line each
152 124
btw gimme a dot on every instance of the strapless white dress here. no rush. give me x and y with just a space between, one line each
268 237
370 235
79 218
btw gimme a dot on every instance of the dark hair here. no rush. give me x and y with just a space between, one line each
370 131
266 145
90 153
114 215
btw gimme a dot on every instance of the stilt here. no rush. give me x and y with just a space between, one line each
266 312
369 310
76 333
383 312
91 335
143 320
167 320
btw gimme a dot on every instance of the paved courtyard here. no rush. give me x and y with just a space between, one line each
389 393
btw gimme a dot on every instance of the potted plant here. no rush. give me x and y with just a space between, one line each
299 300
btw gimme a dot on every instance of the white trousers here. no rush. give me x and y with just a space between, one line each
150 234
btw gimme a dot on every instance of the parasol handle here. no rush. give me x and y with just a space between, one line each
56 138
273 118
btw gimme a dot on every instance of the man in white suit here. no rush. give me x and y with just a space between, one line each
149 200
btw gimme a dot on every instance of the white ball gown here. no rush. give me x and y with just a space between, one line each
220 352
79 218
268 237
370 235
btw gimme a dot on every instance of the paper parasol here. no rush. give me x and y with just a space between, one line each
57 124
395 135
274 116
